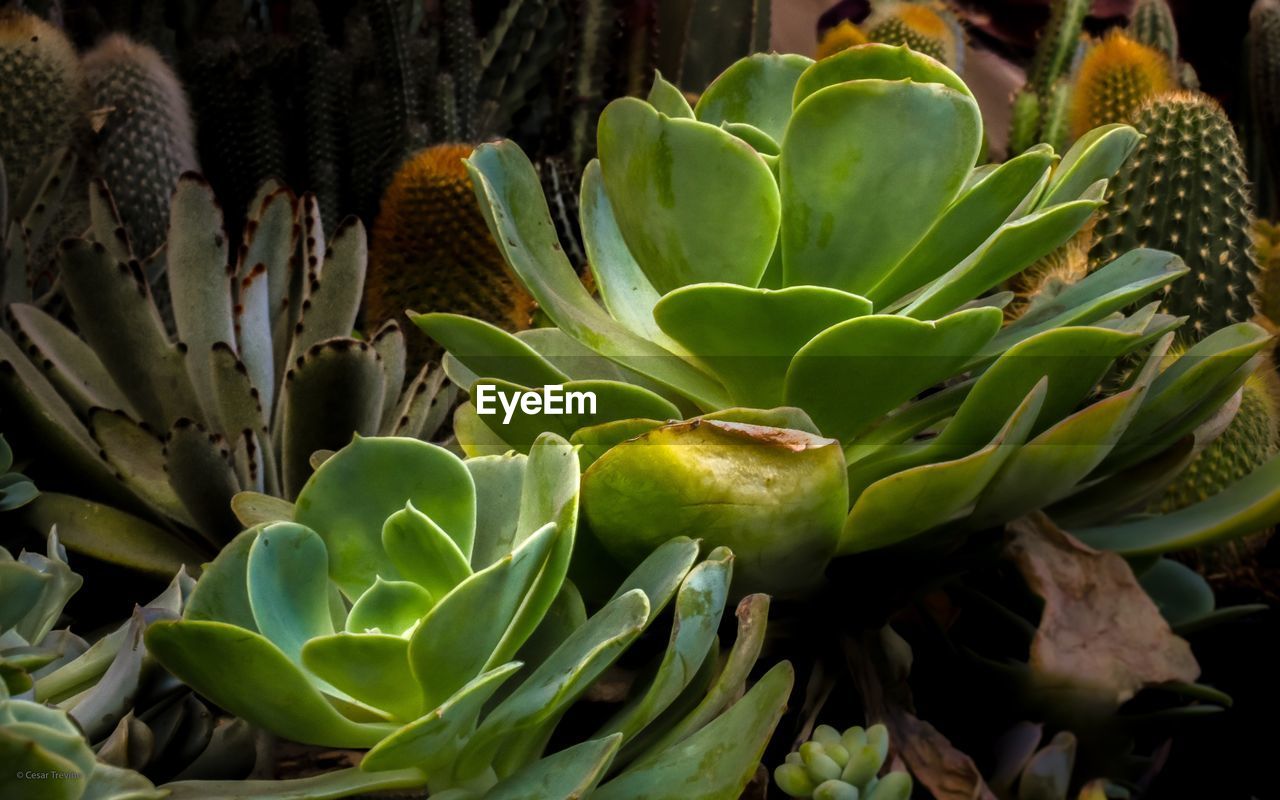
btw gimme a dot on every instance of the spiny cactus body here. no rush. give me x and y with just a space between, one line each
146 139
925 27
1152 24
1115 78
1263 121
431 250
840 37
1185 190
1058 43
42 102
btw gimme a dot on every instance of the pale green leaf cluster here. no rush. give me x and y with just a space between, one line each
416 605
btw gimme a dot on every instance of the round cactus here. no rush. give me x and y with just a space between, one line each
925 27
431 250
1185 190
43 100
146 140
1115 78
836 766
840 37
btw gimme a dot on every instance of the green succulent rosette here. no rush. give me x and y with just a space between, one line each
415 605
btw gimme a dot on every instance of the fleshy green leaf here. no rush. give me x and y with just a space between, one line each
693 202
756 90
668 99
572 772
288 582
748 336
1093 157
391 607
293 707
487 350
423 553
373 668
351 495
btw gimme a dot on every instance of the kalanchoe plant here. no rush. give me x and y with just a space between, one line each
416 605
256 370
29 211
816 237
16 490
836 766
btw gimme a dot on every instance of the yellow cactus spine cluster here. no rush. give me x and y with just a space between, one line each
1116 76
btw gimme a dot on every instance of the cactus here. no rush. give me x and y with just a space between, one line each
840 37
1186 190
1152 24
1266 240
146 139
431 251
1116 76
1058 43
43 102
1024 122
843 766
1263 120
926 27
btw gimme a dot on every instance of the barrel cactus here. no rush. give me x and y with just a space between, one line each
415 605
1115 77
752 270
926 26
1152 23
261 371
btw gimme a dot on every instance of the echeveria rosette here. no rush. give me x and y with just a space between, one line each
416 605
816 236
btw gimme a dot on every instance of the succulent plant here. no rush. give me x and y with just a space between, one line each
1186 189
30 217
1152 23
1058 44
40 745
843 766
1261 123
1266 240
430 248
395 608
1040 107
926 26
1115 78
262 372
134 714
43 106
1028 768
16 490
145 140
738 274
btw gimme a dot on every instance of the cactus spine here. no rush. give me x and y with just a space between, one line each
1058 44
146 139
42 103
1152 24
925 27
431 250
1041 106
1185 190
1263 124
1116 76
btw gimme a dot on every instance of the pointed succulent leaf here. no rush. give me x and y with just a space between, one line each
333 298
1248 505
1181 593
984 206
70 364
105 225
108 534
137 456
115 315
510 196
661 574
253 333
199 277
423 553
499 482
372 668
1016 246
545 694
853 373
487 350
624 288
111 697
890 511
293 708
333 391
474 436
271 240
388 342
699 606
423 405
874 62
613 401
580 363
572 772
595 440
1093 157
432 742
200 472
392 607
350 782
667 98
352 494
22 587
288 583
850 140
457 639
693 202
716 762
222 593
756 90
748 336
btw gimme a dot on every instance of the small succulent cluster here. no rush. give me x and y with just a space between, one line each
416 605
843 766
